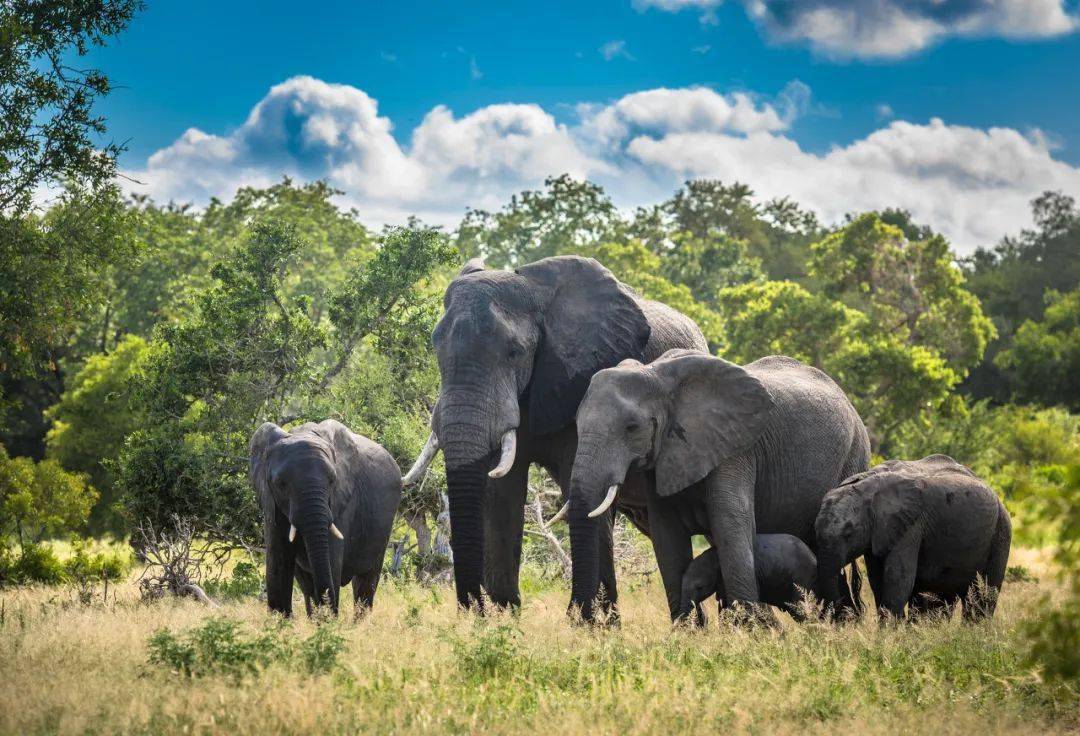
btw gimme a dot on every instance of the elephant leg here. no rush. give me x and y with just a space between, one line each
981 599
898 578
729 498
504 524
673 550
307 587
364 587
280 564
874 574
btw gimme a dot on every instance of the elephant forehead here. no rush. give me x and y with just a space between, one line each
476 292
627 386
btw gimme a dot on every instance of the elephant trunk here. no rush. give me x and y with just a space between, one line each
585 560
314 524
829 578
467 454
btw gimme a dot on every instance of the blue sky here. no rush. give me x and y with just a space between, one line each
814 77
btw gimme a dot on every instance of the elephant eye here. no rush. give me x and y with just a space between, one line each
632 427
514 352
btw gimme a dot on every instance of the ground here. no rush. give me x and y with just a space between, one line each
417 665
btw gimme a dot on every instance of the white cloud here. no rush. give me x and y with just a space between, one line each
615 50
891 28
974 185
884 111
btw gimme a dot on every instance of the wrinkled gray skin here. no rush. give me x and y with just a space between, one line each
313 476
516 350
927 529
783 566
733 451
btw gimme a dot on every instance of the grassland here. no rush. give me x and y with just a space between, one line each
416 665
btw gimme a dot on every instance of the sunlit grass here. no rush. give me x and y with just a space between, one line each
416 665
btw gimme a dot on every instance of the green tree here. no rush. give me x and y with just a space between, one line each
91 421
783 318
47 128
1044 359
567 216
249 351
1012 278
41 500
53 268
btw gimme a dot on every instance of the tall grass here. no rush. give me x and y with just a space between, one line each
416 665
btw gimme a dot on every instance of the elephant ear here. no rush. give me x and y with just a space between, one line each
590 322
896 507
265 437
719 410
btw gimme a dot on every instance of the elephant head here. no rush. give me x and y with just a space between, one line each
680 416
296 476
868 512
532 337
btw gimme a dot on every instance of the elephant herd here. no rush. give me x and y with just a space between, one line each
557 363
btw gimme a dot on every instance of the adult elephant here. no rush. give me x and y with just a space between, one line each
516 350
732 451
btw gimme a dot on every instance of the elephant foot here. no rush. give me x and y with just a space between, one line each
752 614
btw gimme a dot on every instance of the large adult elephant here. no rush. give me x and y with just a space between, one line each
516 350
732 451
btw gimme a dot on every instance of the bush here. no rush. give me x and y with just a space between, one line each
37 563
246 580
222 646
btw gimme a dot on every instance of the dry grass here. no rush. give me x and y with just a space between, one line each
416 665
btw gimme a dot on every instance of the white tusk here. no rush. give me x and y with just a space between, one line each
559 515
606 503
335 531
292 532
509 450
426 456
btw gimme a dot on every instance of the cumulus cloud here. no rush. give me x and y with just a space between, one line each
891 28
973 185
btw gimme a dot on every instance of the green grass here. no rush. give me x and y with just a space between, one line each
417 665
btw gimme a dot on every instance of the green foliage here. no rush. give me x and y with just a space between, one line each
109 564
53 270
1054 637
35 563
246 580
1012 279
223 646
566 217
41 500
91 421
1044 358
48 131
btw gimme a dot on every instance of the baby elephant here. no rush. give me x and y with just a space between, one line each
929 530
328 498
783 565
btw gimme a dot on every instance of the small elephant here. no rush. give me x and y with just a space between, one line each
784 566
328 498
928 529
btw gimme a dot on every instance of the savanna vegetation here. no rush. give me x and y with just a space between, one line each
142 342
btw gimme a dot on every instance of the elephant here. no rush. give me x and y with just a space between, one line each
928 529
516 350
784 567
328 499
731 451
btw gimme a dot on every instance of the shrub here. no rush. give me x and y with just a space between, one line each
222 646
246 580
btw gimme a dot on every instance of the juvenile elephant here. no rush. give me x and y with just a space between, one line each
928 528
516 350
328 498
733 451
784 567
